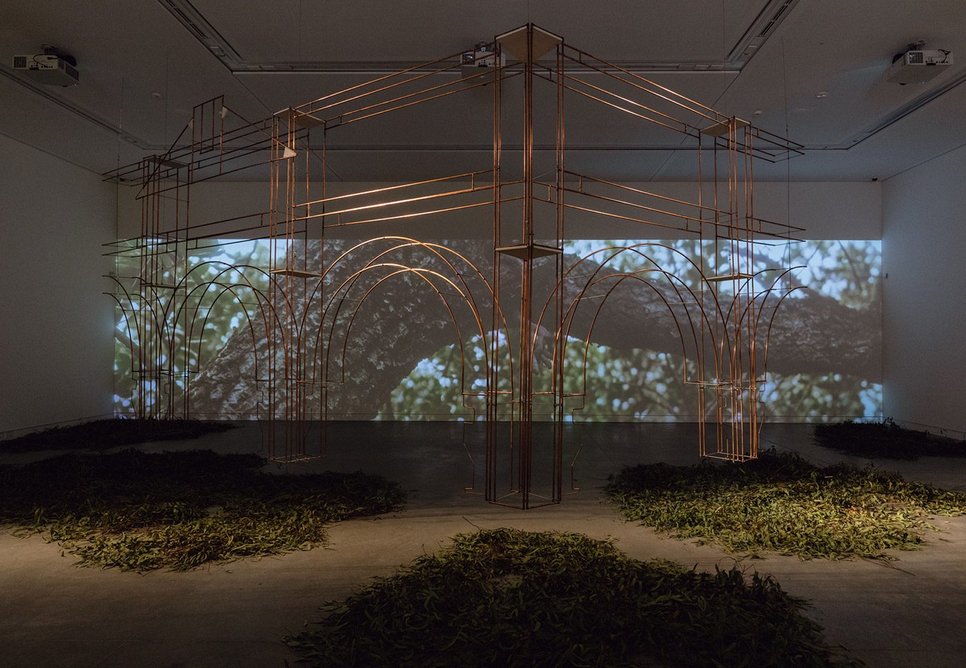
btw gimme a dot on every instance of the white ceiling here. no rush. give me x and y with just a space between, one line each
143 69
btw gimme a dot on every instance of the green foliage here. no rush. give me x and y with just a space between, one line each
217 300
847 271
639 384
820 395
636 384
512 598
886 440
782 503
434 389
178 510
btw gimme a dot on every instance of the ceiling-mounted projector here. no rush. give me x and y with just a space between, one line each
919 65
50 68
482 56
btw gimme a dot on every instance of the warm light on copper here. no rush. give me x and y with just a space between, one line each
723 319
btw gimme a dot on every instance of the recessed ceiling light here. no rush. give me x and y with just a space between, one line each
157 95
821 94
757 112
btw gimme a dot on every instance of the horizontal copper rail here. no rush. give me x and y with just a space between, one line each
631 219
232 219
645 112
185 155
760 222
308 108
417 214
642 207
412 184
217 175
404 100
576 55
398 202
623 186
651 88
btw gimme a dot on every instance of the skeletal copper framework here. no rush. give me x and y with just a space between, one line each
303 309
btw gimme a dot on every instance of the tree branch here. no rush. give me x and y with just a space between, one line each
402 322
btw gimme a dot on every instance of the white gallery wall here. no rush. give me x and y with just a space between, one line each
56 345
826 209
924 236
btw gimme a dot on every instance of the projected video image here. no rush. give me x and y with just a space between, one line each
398 356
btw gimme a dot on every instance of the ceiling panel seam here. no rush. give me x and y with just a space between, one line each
907 109
84 114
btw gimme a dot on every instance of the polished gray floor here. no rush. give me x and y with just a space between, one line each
912 613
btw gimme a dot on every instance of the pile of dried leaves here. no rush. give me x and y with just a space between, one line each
178 510
783 504
886 440
107 434
512 598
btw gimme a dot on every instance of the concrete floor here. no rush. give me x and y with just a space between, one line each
52 613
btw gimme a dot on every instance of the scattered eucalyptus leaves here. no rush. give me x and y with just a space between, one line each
506 597
886 440
782 503
178 510
107 434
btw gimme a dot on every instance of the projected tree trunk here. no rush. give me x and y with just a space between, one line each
816 335
331 326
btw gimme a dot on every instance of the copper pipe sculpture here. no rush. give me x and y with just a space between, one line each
302 309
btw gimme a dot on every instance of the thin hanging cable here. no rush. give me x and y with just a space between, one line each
116 259
788 171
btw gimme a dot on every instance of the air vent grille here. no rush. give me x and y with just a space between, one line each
775 19
759 30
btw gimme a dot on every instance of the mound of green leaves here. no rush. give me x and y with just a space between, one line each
178 510
886 440
782 503
106 434
512 598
